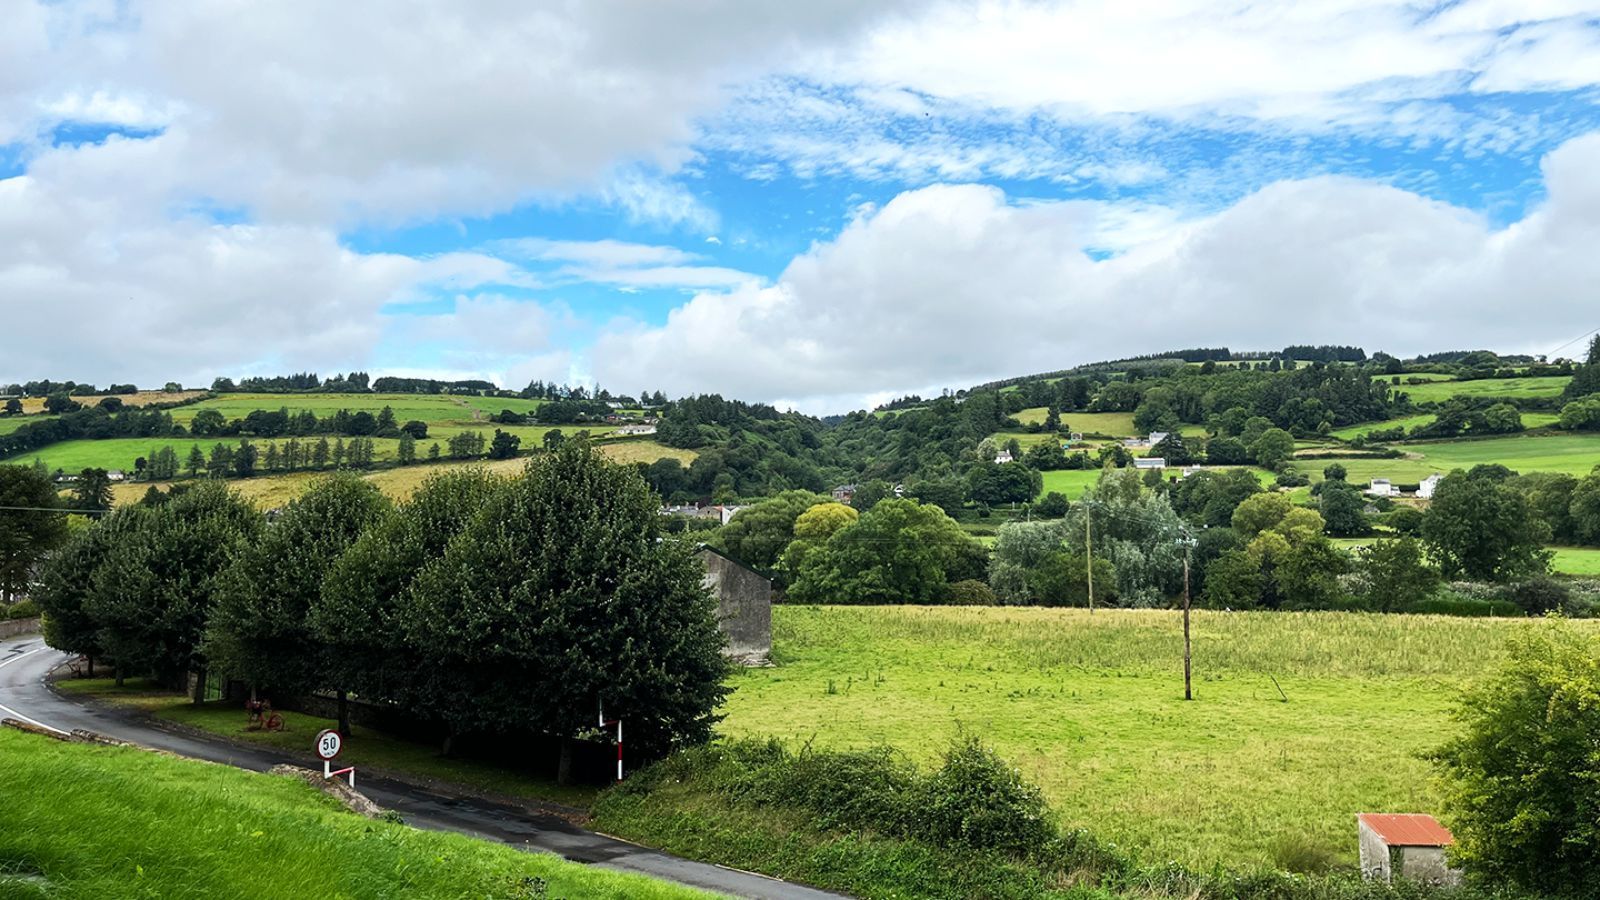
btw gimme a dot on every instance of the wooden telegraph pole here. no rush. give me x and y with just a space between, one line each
1188 691
1088 557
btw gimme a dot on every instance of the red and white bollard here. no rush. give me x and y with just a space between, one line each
618 723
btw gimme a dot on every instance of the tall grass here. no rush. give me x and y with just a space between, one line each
1301 720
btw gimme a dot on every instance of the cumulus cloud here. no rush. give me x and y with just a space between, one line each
950 285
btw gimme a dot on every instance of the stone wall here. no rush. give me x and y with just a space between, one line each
744 607
10 628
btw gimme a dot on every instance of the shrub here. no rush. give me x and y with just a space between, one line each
22 609
970 592
1540 594
975 800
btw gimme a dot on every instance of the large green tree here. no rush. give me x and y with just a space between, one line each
151 596
259 630
758 534
563 595
1481 527
1522 779
29 528
1343 509
360 612
899 551
65 581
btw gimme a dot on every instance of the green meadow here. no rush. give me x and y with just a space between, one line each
1574 454
1530 420
1090 706
1435 391
94 821
430 408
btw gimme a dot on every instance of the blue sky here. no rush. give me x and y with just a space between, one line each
819 206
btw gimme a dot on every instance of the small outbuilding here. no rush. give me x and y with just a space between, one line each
744 606
1410 845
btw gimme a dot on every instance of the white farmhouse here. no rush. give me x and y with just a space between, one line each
1381 487
1004 456
1149 462
1425 488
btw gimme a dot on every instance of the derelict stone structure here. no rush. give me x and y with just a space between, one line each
744 607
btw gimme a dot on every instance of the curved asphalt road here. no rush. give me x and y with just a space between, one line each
26 660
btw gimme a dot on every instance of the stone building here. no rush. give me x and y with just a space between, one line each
1408 845
744 606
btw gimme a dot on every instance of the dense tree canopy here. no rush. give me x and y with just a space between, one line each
28 528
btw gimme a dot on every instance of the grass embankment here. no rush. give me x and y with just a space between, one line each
1091 709
90 821
367 747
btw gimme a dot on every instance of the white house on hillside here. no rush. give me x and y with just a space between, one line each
1381 487
1004 456
1425 489
1149 462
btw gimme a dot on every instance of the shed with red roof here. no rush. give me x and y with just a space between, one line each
1410 845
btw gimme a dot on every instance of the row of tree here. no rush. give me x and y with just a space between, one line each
482 605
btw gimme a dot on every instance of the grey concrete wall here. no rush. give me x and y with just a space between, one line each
10 628
1426 865
1374 854
744 608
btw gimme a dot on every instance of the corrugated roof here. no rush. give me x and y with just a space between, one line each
1408 829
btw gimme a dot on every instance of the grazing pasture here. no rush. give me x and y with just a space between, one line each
1574 454
1530 420
430 408
1509 388
1091 708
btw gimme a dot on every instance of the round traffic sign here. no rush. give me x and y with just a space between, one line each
329 743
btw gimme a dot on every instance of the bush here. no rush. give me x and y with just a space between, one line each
970 592
1522 780
22 609
1451 604
1540 594
975 800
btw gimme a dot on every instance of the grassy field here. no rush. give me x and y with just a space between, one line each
430 408
9 424
1114 424
1580 561
1091 708
1574 454
87 822
1542 386
271 491
32 405
1529 420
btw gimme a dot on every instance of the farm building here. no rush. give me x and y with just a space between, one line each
636 430
1004 456
1150 462
1425 488
1408 844
1381 487
744 606
844 493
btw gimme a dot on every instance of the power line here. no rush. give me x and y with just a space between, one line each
1573 341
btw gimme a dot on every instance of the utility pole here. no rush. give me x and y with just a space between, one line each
1188 691
1088 557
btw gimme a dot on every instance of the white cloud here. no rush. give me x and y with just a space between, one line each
953 285
603 252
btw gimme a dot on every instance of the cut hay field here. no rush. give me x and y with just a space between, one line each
1118 425
1091 708
31 405
98 821
1435 391
271 491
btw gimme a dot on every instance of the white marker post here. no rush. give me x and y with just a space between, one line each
329 745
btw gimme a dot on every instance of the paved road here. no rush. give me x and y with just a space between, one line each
24 662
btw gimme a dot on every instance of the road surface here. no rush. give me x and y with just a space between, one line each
26 660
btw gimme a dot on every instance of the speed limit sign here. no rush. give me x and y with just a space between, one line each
328 744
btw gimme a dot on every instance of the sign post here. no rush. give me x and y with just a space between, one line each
329 745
